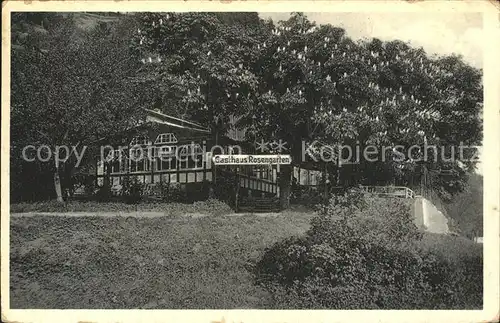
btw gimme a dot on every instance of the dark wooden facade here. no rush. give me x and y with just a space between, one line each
167 150
178 152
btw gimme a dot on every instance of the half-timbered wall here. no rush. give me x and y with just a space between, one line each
164 154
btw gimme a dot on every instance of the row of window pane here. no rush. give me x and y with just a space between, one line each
163 138
165 151
158 165
140 140
167 178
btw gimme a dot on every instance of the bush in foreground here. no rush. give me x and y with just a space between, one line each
368 255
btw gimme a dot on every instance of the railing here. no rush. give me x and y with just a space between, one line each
391 191
254 183
258 184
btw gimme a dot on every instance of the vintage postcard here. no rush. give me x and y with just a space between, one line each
250 161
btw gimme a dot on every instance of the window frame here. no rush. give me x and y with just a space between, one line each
187 151
142 140
172 139
133 165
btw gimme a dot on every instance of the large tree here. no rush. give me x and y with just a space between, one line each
297 81
70 86
316 83
197 65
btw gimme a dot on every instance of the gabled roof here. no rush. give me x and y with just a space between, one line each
161 118
157 117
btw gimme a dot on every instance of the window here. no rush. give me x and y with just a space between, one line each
116 160
137 153
166 151
165 157
183 164
140 140
111 155
139 160
265 173
166 138
190 156
166 164
191 149
115 166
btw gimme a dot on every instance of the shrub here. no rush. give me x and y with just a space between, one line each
314 197
362 254
132 191
307 197
224 188
171 192
458 269
87 182
103 194
197 191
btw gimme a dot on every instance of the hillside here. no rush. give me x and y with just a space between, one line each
27 26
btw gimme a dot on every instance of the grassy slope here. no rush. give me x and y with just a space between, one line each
169 262
207 207
61 262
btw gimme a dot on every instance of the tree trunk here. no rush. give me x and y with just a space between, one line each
285 185
57 186
237 195
325 183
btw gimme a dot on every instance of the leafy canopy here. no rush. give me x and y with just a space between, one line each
294 80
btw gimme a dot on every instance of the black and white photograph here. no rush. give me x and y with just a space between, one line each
251 160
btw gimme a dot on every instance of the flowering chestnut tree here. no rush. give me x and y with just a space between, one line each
296 81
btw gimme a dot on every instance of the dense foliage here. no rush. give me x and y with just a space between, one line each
466 208
289 80
371 256
296 81
292 81
70 87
